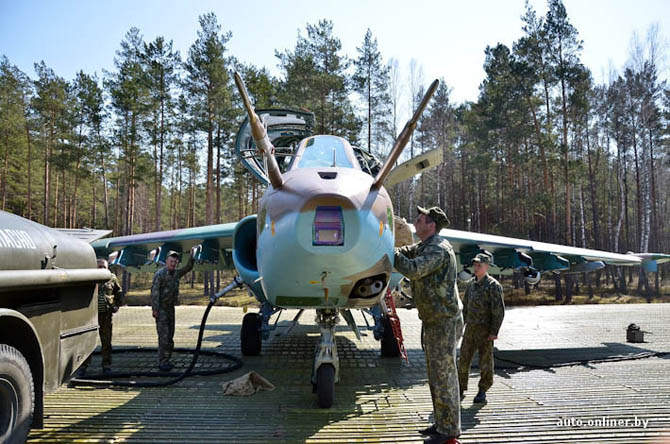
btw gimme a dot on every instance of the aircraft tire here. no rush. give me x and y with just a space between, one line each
17 396
389 343
250 335
325 385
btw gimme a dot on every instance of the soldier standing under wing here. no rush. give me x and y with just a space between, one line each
109 300
431 267
164 297
483 310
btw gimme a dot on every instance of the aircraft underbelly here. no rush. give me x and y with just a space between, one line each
296 273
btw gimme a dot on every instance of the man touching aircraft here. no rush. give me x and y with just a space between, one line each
431 267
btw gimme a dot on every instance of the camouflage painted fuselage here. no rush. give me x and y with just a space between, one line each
297 271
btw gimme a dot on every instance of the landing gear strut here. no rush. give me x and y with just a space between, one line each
326 371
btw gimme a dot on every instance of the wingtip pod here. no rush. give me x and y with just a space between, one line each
404 136
260 136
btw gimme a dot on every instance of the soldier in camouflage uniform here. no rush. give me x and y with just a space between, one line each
109 300
431 267
164 297
483 310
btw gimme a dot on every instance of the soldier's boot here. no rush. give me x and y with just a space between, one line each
480 398
165 367
429 431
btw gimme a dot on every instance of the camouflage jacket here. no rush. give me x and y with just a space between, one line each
431 267
165 287
483 303
109 295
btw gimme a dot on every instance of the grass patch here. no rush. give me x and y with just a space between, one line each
140 293
545 295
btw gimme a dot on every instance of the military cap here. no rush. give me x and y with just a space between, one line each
173 253
437 215
484 257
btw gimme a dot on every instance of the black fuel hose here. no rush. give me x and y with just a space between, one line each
107 380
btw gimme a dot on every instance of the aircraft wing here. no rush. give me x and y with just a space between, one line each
145 252
650 261
414 166
86 234
512 253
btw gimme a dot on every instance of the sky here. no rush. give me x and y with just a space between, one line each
447 38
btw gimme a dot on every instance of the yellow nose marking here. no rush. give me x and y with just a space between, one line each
381 228
273 228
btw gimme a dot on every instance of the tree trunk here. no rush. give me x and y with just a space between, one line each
5 174
568 289
159 201
29 197
156 180
117 205
47 174
218 175
55 208
94 192
581 216
592 167
638 200
104 190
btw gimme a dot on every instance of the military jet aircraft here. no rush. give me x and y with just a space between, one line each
323 237
324 234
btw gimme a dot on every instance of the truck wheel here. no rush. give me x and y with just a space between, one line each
17 396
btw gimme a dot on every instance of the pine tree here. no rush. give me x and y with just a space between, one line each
315 78
15 93
371 80
130 100
162 66
208 84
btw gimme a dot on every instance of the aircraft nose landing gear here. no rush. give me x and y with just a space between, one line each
326 370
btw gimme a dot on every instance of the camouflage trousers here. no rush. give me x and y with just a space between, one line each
475 338
165 329
105 332
440 340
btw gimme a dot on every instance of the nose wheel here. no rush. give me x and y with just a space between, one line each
325 372
325 385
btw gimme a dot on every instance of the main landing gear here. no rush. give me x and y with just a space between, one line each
255 328
250 336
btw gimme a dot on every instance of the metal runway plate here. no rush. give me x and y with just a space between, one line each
383 399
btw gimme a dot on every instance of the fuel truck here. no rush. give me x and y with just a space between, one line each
48 317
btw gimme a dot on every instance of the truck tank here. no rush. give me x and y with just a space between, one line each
48 317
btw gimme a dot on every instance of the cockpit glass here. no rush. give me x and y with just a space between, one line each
324 151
